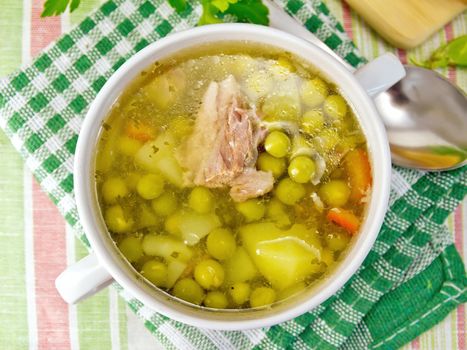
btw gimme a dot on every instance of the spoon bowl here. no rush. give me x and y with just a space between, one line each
426 121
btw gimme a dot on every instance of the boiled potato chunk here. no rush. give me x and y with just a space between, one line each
285 261
158 157
240 267
146 217
283 257
258 84
166 247
193 226
281 107
175 269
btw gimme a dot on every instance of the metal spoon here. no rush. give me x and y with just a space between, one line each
426 121
425 115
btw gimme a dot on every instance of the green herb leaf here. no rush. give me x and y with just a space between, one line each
209 14
222 5
178 5
57 7
461 153
253 11
454 53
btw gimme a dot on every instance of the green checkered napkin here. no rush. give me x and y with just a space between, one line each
412 277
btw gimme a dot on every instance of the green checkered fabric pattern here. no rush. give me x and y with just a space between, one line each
412 277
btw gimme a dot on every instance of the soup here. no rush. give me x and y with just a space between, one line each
232 176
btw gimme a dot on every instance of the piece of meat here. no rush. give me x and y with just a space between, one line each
251 184
224 142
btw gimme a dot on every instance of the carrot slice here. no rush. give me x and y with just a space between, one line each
140 131
359 171
345 219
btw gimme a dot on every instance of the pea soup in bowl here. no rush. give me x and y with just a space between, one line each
230 176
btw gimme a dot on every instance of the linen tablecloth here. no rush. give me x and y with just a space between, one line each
32 233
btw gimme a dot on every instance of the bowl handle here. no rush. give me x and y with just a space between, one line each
82 279
380 74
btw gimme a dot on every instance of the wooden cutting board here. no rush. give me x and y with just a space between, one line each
407 23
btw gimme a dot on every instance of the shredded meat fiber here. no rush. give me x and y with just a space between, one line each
223 148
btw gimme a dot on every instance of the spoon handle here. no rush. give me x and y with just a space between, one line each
281 20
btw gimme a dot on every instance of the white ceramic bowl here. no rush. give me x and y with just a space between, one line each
105 263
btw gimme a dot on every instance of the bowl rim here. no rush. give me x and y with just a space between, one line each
365 111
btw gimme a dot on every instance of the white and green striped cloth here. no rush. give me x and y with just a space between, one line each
411 280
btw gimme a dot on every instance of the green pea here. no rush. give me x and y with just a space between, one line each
209 274
312 121
262 296
252 209
221 243
165 205
156 272
240 292
337 241
150 186
114 188
172 223
129 146
334 193
301 169
290 192
277 144
216 300
276 166
189 290
131 248
313 92
335 107
116 220
201 200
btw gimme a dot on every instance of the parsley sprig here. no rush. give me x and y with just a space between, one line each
214 11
